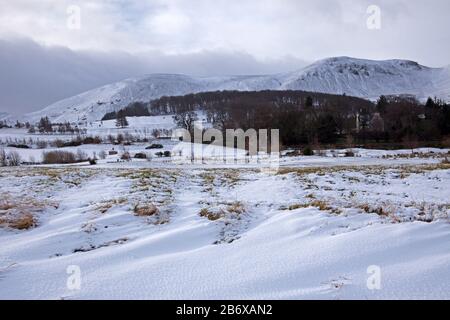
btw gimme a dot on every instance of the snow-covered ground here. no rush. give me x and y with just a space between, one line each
137 125
315 229
162 227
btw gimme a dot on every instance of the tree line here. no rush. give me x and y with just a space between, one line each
307 118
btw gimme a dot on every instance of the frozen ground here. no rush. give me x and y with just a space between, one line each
311 230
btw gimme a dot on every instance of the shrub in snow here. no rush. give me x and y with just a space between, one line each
41 144
167 154
349 153
14 159
307 151
211 215
140 155
155 146
92 140
145 210
24 222
3 159
58 143
81 155
294 153
125 156
19 146
59 157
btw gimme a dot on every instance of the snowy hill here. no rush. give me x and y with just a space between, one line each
370 79
356 77
92 105
4 115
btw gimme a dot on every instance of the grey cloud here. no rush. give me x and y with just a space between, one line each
33 76
200 37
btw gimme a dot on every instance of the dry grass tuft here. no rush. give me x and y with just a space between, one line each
24 221
145 210
236 207
319 204
6 205
20 213
365 169
379 210
211 215
298 206
230 210
106 205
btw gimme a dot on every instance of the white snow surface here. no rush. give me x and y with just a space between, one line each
275 244
355 77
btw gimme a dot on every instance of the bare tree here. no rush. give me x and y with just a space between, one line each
186 120
121 120
349 141
3 158
14 159
81 155
410 141
156 133
102 154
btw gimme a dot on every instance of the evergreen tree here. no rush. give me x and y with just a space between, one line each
121 120
309 101
382 103
430 103
45 125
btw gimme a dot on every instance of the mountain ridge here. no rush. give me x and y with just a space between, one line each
337 75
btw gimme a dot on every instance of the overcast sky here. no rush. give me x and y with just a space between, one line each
45 55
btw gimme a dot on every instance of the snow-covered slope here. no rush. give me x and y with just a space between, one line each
357 77
4 115
267 245
92 105
370 79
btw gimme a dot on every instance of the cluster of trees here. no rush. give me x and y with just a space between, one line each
158 133
11 158
4 124
306 118
405 122
121 138
65 157
135 109
121 119
20 125
302 117
46 126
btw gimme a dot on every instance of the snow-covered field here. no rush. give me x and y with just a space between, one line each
318 227
315 229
